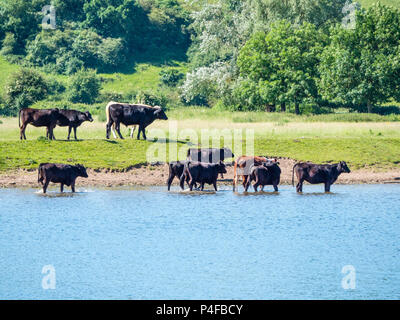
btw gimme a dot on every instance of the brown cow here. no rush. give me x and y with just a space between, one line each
243 165
318 173
38 118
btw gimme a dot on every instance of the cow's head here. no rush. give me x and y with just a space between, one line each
88 116
81 171
159 113
227 153
221 167
342 167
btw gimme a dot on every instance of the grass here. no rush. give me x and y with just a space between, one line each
374 144
368 3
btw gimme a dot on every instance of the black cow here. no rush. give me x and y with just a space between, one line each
131 114
38 118
73 119
268 173
318 173
210 155
60 173
201 172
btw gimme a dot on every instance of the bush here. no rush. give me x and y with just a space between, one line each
170 76
151 99
25 87
9 44
85 87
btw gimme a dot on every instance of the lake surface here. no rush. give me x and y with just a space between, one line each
151 244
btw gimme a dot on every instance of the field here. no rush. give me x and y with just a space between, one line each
363 145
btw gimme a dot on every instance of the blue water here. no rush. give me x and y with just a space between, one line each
151 244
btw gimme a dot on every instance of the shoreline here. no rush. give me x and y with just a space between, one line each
156 175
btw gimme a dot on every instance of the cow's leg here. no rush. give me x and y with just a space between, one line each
170 179
202 186
262 188
215 185
299 187
327 187
69 132
108 128
73 186
75 134
51 133
62 188
46 184
245 179
117 128
255 186
276 187
22 131
191 185
132 131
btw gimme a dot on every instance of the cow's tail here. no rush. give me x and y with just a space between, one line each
188 153
39 180
19 118
108 111
293 173
235 177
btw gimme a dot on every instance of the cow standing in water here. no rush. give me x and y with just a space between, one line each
132 114
73 119
243 165
38 118
318 173
60 173
200 172
268 173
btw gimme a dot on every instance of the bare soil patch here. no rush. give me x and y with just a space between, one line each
156 175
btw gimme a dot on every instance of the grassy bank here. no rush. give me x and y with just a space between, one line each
368 144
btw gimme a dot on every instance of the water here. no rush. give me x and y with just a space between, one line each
151 244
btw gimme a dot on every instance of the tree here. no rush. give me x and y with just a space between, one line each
25 87
361 67
85 87
283 63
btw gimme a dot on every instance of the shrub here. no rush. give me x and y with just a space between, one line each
170 76
85 87
9 44
25 87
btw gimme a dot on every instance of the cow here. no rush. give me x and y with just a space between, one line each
268 173
318 173
38 118
176 170
73 119
131 114
201 172
210 155
242 167
60 173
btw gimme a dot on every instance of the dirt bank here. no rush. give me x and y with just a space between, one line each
157 175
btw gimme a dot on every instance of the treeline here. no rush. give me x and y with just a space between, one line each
302 55
97 34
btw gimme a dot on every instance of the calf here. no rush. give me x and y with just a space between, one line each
38 118
243 165
60 173
72 119
318 173
200 172
176 170
268 173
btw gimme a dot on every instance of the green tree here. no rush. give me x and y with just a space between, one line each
24 88
283 64
361 67
85 87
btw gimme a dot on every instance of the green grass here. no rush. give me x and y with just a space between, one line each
368 3
6 69
373 144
